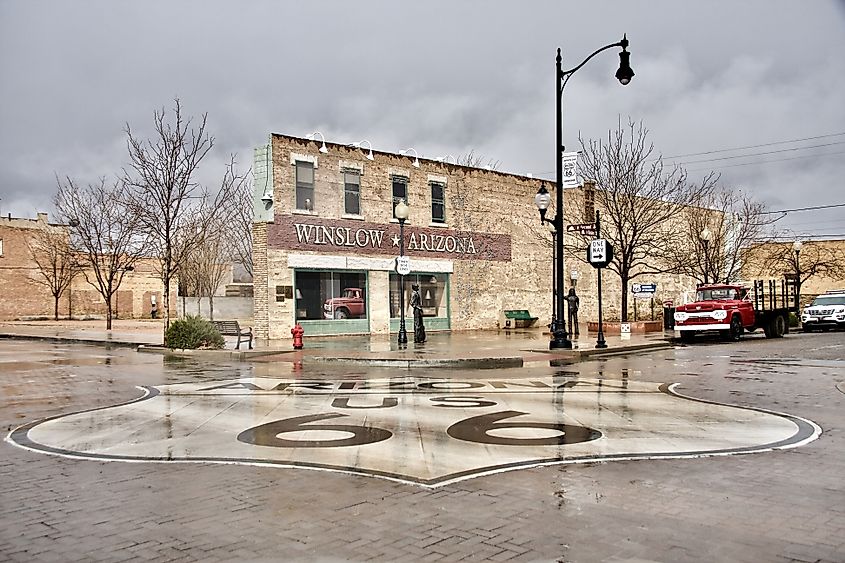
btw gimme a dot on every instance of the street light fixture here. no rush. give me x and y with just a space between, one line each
313 137
543 199
416 163
401 212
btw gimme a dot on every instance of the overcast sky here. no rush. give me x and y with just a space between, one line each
443 77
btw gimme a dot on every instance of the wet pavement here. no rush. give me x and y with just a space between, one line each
616 458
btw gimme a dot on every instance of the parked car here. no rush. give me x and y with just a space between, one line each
826 311
350 305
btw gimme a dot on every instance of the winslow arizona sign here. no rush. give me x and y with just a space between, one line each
424 431
324 235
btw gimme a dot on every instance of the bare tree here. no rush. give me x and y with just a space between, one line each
175 209
810 259
714 234
211 260
103 231
477 161
639 199
56 261
239 226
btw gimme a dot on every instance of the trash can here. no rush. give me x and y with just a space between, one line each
668 315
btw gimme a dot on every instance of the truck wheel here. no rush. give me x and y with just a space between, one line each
341 314
687 336
735 332
777 327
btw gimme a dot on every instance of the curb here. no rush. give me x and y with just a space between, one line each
240 355
408 363
96 342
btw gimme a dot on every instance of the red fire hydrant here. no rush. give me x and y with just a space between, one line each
297 333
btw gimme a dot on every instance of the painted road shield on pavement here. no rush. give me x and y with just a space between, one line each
425 431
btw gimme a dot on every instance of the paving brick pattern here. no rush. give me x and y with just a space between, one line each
779 506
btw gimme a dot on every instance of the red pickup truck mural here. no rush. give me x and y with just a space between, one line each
350 305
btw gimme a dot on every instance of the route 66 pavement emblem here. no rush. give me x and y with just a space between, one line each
426 431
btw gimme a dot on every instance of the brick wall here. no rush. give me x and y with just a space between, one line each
23 296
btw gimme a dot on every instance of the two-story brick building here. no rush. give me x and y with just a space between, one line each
326 224
326 239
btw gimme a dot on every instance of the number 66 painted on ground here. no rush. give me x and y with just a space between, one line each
474 429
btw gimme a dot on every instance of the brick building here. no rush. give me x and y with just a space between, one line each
25 296
326 238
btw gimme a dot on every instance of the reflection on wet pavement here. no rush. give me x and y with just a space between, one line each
428 430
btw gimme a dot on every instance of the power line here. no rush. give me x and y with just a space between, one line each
762 153
768 161
805 208
757 146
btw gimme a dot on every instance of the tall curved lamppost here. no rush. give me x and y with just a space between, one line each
560 338
705 236
402 211
796 247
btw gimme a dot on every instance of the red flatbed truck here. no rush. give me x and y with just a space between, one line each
732 309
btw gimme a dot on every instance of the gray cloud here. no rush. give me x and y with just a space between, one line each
442 77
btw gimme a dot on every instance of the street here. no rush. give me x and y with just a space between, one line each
426 473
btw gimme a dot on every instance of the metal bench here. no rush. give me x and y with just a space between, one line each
232 328
517 318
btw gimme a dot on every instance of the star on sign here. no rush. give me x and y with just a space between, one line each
395 240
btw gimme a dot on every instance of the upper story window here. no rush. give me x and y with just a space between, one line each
400 191
352 192
1 247
304 185
438 202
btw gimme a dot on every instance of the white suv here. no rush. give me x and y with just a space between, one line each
827 310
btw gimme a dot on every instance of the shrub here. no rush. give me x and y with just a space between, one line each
191 333
794 320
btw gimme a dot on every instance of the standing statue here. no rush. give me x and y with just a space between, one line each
572 303
416 304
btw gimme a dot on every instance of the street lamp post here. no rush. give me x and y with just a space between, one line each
796 246
560 338
401 211
705 236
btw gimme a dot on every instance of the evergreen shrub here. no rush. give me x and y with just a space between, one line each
191 333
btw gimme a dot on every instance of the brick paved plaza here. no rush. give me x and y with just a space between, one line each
785 505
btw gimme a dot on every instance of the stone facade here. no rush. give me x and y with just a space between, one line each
489 244
25 296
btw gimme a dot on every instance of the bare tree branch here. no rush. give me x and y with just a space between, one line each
103 231
164 193
639 200
56 261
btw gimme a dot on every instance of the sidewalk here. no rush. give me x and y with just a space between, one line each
475 349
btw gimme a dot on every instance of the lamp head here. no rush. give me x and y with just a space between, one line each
706 234
543 198
402 210
796 246
267 199
625 72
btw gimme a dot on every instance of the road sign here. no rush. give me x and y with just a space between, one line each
403 265
586 229
644 287
570 169
599 253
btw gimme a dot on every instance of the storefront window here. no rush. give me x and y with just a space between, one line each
432 292
330 295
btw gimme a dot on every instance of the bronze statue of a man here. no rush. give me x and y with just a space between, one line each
416 304
572 308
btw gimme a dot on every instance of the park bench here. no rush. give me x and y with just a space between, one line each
232 328
517 318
